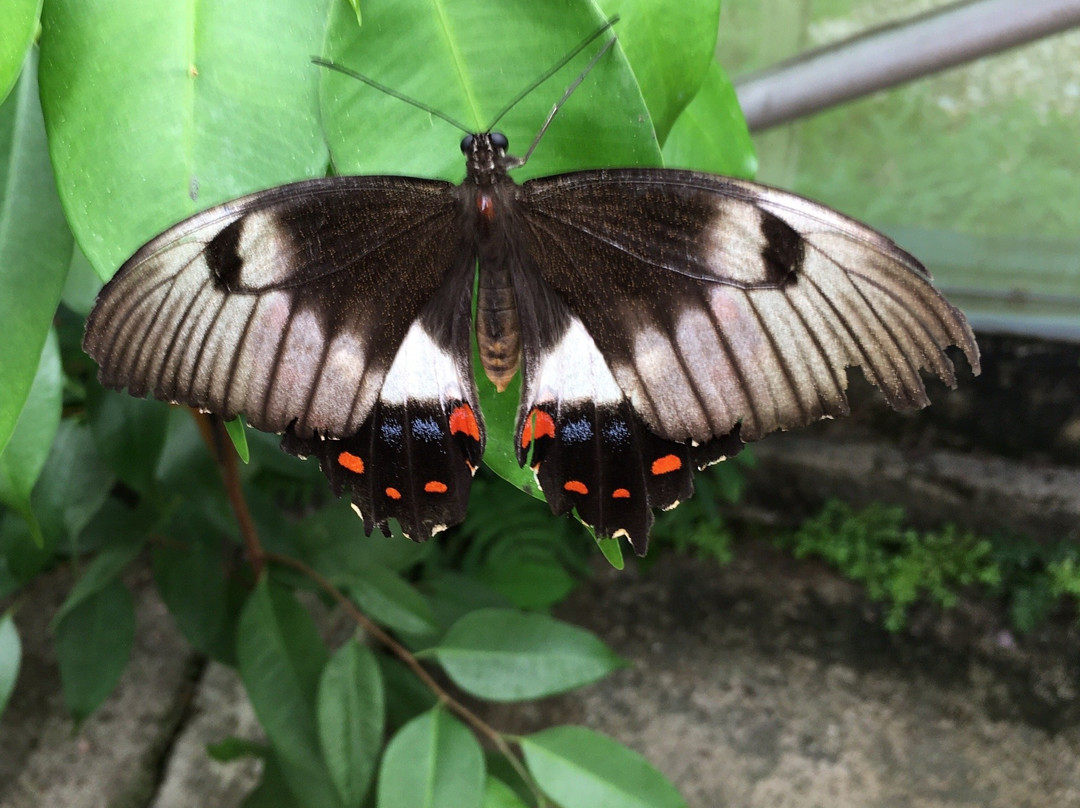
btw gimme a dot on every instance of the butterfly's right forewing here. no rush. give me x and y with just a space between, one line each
335 310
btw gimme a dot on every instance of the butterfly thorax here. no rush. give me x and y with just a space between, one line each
490 193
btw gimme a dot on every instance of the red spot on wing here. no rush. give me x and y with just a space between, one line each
620 493
576 487
351 462
665 464
544 427
393 493
435 487
486 205
462 420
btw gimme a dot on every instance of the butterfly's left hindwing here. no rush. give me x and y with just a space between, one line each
334 310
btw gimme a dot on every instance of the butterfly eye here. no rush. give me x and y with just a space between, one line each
499 141
467 143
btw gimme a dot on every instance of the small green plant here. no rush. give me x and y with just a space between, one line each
897 564
1036 577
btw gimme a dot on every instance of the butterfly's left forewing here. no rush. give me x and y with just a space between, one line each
705 311
335 311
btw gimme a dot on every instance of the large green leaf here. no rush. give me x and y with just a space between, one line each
351 716
281 657
504 655
24 456
670 46
432 762
469 60
35 244
579 768
10 656
215 100
711 133
16 37
93 643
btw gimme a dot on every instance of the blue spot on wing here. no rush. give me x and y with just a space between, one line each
617 433
390 431
577 431
427 428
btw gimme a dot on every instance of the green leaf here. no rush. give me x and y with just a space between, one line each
469 74
406 696
233 748
351 715
280 657
533 578
16 38
500 419
73 484
212 104
235 430
10 656
24 456
191 575
503 655
612 551
390 600
335 544
498 794
273 790
102 571
35 244
21 557
185 463
82 285
452 595
579 768
129 433
711 133
432 762
93 643
669 46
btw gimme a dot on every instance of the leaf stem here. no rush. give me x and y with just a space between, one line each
216 438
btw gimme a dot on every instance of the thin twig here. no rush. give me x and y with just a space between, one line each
406 656
213 433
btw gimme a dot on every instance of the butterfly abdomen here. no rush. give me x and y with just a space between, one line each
498 328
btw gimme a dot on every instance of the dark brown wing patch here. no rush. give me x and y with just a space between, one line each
719 303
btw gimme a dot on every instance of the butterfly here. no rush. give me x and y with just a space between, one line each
659 319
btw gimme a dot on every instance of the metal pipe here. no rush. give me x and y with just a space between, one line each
887 56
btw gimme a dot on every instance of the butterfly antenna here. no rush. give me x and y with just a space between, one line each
558 104
384 89
559 66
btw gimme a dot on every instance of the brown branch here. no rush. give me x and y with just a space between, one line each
217 439
497 739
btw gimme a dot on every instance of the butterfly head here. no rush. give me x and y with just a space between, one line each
485 157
